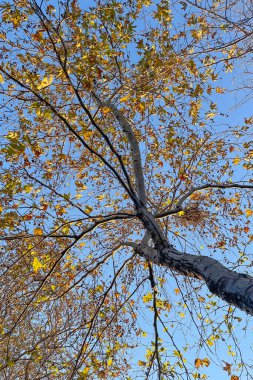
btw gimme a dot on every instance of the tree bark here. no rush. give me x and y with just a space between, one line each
234 288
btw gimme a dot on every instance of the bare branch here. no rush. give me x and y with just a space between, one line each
134 146
202 187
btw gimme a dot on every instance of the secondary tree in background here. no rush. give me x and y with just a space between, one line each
126 195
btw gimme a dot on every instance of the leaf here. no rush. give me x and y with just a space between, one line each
28 188
125 98
220 90
100 197
147 298
206 362
141 107
210 341
38 231
1 79
37 265
88 209
10 363
248 212
105 110
249 120
45 82
198 363
109 362
227 368
84 373
234 377
210 115
65 229
236 160
201 362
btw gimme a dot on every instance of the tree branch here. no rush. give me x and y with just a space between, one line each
233 287
134 146
202 187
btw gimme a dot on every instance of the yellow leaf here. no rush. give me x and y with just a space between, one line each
125 98
109 362
236 160
210 342
88 209
177 291
181 213
65 229
87 134
140 107
36 264
46 82
205 362
100 197
38 231
147 298
210 115
106 110
84 373
220 90
1 79
248 212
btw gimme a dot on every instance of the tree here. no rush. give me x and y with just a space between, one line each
125 191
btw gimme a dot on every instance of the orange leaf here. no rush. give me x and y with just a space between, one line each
248 212
38 231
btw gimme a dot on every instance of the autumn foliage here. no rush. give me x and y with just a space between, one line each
126 190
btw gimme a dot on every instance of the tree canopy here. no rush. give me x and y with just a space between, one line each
126 190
